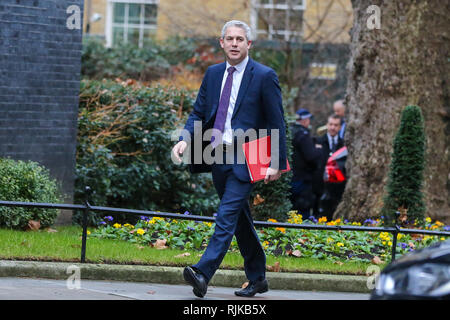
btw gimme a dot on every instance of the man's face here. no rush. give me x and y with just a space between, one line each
235 45
333 126
305 122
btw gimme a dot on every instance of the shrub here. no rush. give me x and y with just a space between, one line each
124 145
406 170
27 182
128 61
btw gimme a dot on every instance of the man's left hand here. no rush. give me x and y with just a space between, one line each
272 175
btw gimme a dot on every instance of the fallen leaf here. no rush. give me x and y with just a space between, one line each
151 292
185 254
300 240
289 252
140 247
25 243
244 285
274 268
416 236
33 225
339 263
51 230
297 253
412 245
403 215
160 244
376 260
257 200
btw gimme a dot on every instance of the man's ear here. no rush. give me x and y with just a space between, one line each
221 42
249 44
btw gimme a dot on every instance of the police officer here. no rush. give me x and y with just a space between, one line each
306 159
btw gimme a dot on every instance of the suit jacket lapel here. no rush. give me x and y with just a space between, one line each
248 75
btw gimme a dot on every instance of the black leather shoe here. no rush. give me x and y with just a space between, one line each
196 280
253 288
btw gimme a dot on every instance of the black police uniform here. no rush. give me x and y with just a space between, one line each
306 159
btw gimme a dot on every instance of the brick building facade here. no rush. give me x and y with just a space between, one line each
40 62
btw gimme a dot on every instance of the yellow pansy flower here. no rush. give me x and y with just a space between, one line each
323 219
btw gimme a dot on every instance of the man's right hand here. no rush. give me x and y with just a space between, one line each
178 150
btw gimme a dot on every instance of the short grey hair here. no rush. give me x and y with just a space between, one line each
239 24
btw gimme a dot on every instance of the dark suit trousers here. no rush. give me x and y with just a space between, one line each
233 218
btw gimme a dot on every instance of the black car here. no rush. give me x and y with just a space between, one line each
422 274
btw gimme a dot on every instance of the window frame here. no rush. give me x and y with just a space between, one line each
271 32
110 24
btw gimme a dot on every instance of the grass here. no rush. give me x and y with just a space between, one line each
65 245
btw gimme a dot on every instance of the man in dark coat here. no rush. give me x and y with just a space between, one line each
236 96
328 195
305 161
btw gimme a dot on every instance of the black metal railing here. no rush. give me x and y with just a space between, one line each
87 208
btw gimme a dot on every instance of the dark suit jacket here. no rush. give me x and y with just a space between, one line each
258 106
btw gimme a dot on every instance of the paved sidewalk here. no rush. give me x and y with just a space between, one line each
48 289
173 275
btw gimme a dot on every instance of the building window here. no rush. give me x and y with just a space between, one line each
278 19
131 21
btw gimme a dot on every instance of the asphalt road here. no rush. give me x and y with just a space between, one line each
47 289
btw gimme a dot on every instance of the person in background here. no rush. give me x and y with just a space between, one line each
339 109
306 158
328 195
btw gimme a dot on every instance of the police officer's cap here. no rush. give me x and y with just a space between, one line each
303 114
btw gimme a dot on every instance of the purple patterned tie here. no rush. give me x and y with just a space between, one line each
221 116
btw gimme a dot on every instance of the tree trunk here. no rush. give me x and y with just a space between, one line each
405 62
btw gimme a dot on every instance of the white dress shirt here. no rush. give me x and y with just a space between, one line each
237 79
330 140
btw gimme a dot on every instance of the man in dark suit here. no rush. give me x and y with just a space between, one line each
305 159
328 194
239 94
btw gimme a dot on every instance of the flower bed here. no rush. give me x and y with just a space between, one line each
335 245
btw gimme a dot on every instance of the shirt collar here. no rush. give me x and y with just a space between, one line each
332 139
240 66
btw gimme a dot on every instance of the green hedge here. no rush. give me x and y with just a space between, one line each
28 182
126 61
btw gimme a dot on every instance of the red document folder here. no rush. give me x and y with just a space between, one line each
257 156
